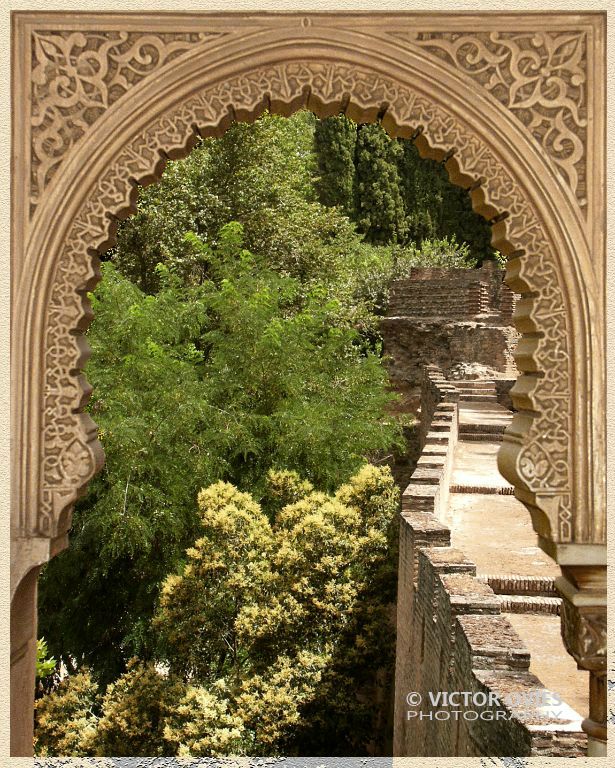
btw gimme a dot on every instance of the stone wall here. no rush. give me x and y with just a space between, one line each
447 317
453 637
451 634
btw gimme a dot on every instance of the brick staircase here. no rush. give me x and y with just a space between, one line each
477 390
524 594
430 299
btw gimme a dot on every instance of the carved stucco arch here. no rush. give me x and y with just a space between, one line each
506 107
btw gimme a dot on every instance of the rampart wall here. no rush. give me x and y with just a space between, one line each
451 633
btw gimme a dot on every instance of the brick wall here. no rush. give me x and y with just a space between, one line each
452 637
451 634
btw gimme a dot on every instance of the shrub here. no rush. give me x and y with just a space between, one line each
65 723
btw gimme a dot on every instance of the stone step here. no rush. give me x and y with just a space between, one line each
440 426
426 476
467 429
482 437
445 407
486 398
435 449
514 584
431 461
499 490
438 437
527 604
474 383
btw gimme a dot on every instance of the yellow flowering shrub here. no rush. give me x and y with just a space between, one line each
65 722
201 725
134 712
284 487
227 568
289 616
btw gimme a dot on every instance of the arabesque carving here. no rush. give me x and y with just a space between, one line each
539 76
544 462
584 633
76 76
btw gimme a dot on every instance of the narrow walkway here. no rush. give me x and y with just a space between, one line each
495 531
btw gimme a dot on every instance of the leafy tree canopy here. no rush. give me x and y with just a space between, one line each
217 381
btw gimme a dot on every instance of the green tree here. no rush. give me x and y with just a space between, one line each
380 213
218 381
399 196
335 140
97 596
261 175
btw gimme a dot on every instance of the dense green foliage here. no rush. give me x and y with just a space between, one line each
391 193
260 175
235 343
45 665
335 141
217 381
379 206
272 634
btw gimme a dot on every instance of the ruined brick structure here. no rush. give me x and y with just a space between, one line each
448 317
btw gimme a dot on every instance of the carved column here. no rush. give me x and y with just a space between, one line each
583 590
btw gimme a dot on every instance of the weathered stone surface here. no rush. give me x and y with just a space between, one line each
457 319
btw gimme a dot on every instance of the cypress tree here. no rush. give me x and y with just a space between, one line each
334 141
436 208
380 212
421 187
460 220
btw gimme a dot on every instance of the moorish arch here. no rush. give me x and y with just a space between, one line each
511 104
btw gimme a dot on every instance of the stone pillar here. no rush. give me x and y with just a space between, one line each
23 664
584 606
